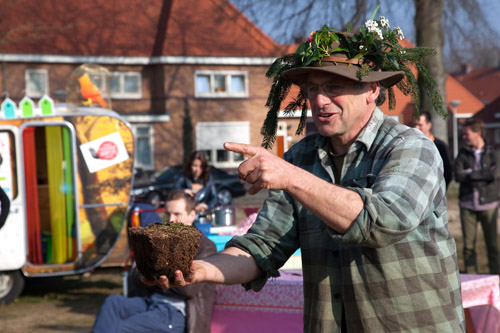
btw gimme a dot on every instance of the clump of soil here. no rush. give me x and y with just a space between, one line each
163 248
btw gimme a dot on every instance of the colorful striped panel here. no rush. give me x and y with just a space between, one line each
70 198
57 197
30 174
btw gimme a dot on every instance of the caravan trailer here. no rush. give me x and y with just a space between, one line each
68 172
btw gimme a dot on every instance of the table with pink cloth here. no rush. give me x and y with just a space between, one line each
481 299
279 305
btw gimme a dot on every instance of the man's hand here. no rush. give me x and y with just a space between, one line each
262 169
198 274
201 207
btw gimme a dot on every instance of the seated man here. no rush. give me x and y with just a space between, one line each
172 310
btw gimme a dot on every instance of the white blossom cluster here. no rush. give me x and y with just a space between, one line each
372 26
384 23
399 33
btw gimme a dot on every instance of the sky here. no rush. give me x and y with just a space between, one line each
399 14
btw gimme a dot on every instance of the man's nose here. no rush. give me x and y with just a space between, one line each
322 98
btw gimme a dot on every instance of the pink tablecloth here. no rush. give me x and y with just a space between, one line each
279 305
276 308
481 296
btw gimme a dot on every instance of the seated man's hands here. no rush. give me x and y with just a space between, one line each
201 207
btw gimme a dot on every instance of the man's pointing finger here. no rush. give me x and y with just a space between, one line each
242 148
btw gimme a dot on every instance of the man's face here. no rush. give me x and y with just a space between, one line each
176 209
423 125
340 111
470 137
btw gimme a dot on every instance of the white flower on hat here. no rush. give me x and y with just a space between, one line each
399 33
384 23
361 47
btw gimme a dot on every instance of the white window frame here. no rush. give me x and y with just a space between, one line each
225 94
230 163
126 95
210 137
150 127
36 94
103 86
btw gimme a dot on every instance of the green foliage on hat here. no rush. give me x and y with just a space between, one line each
378 48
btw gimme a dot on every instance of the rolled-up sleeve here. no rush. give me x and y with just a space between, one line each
272 239
400 196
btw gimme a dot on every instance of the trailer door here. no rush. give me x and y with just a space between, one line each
13 246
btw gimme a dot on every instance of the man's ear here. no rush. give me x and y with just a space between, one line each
373 92
192 215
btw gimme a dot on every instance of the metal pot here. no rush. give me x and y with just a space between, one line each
224 216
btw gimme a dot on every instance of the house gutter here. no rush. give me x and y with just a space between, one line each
141 61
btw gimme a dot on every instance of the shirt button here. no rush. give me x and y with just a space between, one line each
336 295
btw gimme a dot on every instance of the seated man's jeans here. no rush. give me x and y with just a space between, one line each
137 314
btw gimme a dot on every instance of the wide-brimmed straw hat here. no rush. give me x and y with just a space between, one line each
371 55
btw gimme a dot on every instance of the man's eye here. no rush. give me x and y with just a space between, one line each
312 89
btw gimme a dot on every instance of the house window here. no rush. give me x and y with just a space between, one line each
37 82
144 137
99 80
221 84
126 85
210 137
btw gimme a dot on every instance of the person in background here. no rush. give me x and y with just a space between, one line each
424 123
477 169
198 182
155 310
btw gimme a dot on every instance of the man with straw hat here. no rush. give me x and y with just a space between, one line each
364 198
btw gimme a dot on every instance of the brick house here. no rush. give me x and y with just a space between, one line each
164 57
484 83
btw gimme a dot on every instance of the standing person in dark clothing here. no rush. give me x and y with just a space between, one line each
477 169
425 124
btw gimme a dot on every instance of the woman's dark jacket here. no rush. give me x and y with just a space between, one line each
182 182
486 180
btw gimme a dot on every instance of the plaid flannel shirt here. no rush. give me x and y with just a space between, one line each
395 269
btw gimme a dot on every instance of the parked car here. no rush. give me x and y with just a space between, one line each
155 189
